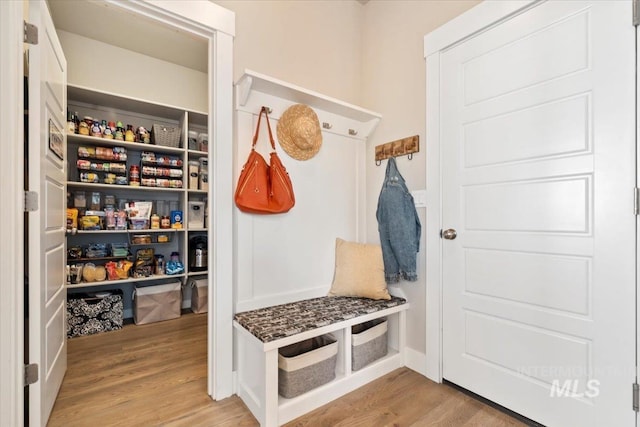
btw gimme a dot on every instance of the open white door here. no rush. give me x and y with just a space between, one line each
46 242
538 170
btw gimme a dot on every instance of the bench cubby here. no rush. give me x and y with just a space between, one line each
261 333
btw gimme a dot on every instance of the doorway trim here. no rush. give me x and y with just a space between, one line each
217 24
203 18
474 21
11 191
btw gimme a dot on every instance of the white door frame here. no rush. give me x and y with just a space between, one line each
470 23
203 18
218 25
11 193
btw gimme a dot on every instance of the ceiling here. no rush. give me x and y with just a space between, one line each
110 24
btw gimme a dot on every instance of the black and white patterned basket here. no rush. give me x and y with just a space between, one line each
88 315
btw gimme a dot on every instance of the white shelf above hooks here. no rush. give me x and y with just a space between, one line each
253 90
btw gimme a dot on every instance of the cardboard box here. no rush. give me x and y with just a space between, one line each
157 303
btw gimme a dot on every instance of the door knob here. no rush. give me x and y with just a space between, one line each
449 234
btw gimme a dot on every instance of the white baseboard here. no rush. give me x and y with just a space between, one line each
415 361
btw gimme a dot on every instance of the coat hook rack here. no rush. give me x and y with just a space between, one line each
400 147
326 125
269 110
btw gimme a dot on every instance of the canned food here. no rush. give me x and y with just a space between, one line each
141 239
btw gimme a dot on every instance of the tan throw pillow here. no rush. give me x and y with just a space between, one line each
359 271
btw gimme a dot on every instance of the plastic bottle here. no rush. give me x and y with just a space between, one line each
108 131
84 126
134 175
76 119
95 129
129 135
159 264
119 135
143 135
71 122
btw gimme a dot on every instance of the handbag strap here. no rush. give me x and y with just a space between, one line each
255 137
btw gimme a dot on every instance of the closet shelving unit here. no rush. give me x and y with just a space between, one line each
100 105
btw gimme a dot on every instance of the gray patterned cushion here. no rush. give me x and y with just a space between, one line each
279 321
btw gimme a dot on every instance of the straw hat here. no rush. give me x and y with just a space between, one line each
299 132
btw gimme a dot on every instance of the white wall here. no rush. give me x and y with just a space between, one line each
370 55
290 257
111 69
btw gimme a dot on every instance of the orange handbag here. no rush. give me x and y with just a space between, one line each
262 188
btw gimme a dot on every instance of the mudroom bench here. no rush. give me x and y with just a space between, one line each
263 332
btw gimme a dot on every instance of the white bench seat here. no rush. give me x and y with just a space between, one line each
261 332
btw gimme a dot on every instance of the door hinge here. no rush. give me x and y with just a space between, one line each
636 201
30 201
30 374
30 33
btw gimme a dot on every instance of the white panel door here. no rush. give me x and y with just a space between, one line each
46 260
537 128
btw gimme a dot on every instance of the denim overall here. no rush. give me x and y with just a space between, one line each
399 227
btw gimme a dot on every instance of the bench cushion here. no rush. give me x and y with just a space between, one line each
279 321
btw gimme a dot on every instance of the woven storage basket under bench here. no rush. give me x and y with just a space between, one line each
327 321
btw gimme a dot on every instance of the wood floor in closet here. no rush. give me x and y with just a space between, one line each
153 375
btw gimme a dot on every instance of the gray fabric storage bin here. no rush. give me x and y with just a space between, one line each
306 365
368 342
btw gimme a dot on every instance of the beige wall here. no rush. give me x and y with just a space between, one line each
394 86
369 55
313 44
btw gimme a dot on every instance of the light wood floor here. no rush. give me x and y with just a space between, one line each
155 374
